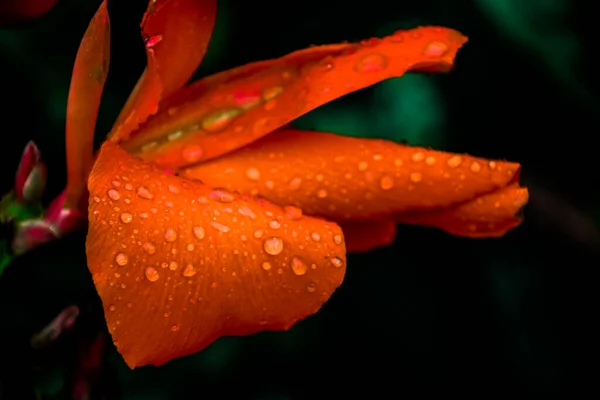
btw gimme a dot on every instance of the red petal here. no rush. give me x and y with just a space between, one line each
178 265
89 74
351 179
226 111
365 236
176 34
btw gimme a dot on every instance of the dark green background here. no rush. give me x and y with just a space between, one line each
432 314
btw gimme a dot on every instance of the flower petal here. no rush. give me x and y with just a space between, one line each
228 110
178 264
490 215
89 75
176 34
352 179
366 236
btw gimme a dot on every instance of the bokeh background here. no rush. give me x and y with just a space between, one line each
432 314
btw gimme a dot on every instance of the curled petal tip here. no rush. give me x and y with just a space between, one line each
63 322
30 180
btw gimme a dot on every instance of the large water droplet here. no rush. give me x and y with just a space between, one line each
220 119
222 195
337 239
292 212
220 227
454 161
192 153
370 63
253 174
170 235
173 265
151 274
435 49
273 245
247 212
113 194
199 232
144 193
126 218
386 183
337 262
149 248
266 266
295 183
121 259
298 266
189 271
274 224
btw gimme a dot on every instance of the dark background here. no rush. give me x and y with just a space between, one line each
432 314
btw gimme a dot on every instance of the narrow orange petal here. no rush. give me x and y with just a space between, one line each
369 235
89 75
226 111
176 34
490 215
352 179
178 264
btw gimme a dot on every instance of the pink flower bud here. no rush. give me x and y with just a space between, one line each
30 180
63 219
31 233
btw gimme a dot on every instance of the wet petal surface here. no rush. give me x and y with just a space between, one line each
178 264
351 179
228 110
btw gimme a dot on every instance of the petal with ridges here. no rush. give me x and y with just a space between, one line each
226 111
352 179
176 35
178 264
87 83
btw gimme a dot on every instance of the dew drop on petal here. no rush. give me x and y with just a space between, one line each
151 274
189 271
113 194
298 266
121 259
199 232
273 245
170 235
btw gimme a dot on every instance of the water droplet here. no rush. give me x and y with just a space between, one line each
295 183
199 232
189 271
266 266
121 259
173 265
170 235
386 183
112 307
253 174
475 167
362 166
418 157
258 233
151 41
430 160
322 193
274 224
174 328
272 92
116 183
192 153
416 177
435 49
337 239
113 194
151 274
220 119
190 247
270 184
247 212
149 248
455 161
336 262
311 287
272 245
173 189
222 195
220 227
315 236
371 63
126 218
292 212
144 193
97 199
298 266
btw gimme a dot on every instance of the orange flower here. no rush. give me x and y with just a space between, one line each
238 239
